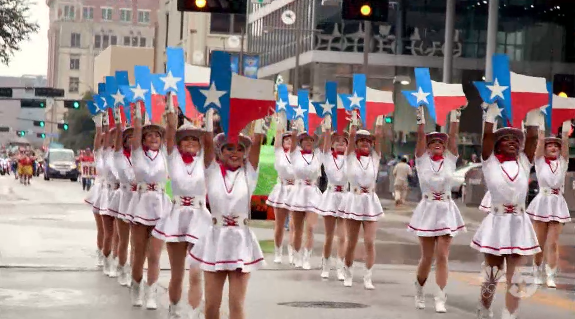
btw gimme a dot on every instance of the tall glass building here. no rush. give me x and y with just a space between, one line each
537 35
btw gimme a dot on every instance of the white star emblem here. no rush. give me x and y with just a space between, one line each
299 112
421 96
118 98
281 105
327 107
139 92
355 100
497 90
105 103
213 95
170 82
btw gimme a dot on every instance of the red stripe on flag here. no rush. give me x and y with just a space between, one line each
523 102
559 116
191 110
158 107
244 111
342 121
375 109
446 104
111 121
313 122
123 116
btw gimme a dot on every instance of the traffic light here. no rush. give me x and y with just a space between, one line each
21 133
39 123
48 92
5 92
4 129
72 104
221 6
371 10
564 85
33 103
63 126
41 135
389 120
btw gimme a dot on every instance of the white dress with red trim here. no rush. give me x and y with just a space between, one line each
150 203
307 169
550 205
127 180
337 188
286 180
436 214
112 185
188 218
507 229
229 243
361 202
485 205
94 197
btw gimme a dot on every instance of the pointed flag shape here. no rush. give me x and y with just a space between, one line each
142 90
113 95
159 98
216 94
377 103
98 102
498 91
313 118
195 76
447 97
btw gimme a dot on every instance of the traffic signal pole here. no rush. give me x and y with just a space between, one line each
448 47
366 46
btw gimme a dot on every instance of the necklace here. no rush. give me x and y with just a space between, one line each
551 167
335 162
439 168
361 164
230 189
192 166
308 162
287 157
512 179
148 155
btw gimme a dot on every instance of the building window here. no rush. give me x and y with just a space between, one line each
181 25
127 41
107 14
105 41
74 85
239 23
88 13
97 41
143 16
143 42
126 15
113 40
134 41
227 23
68 12
75 40
74 62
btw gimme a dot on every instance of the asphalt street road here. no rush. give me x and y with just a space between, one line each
47 269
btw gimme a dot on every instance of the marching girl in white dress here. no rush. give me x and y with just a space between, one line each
549 210
122 197
147 207
285 184
436 219
361 206
93 198
189 218
485 205
229 250
306 163
334 162
506 233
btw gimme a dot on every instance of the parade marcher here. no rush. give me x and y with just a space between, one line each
506 233
436 219
87 168
230 249
147 207
548 210
401 172
93 198
306 163
362 207
283 188
334 161
25 167
189 217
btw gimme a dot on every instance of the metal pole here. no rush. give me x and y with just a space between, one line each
492 25
297 52
366 46
448 47
241 59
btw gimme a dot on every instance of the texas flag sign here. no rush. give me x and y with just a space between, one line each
123 81
423 96
174 79
527 93
303 108
283 103
100 98
563 109
92 108
447 97
142 90
329 106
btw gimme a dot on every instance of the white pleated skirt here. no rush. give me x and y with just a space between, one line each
485 205
361 207
303 198
279 196
183 224
549 208
148 208
329 203
113 202
436 218
93 198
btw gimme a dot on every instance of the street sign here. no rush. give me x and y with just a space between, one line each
5 92
48 92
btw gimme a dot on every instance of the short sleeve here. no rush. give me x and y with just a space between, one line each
565 163
375 157
524 162
252 176
419 160
451 157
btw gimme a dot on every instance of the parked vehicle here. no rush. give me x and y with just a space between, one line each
458 179
60 163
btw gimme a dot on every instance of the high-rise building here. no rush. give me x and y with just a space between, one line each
81 29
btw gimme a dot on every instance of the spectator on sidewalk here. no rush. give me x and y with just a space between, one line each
401 172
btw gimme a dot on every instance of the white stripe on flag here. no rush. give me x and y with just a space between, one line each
560 102
373 95
525 83
251 89
445 89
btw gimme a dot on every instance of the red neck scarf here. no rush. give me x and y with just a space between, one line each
304 152
187 157
127 152
548 159
503 158
436 157
225 168
286 149
335 153
359 153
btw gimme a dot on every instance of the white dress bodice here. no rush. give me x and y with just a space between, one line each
551 174
111 171
435 176
150 166
306 166
123 165
283 164
335 168
507 182
187 179
362 171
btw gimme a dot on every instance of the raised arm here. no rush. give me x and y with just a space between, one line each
98 136
294 132
540 150
118 140
137 139
454 132
351 145
565 133
491 112
259 132
379 135
171 127
209 152
420 145
533 121
280 129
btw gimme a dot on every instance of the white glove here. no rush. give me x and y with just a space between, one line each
138 111
535 118
209 121
566 128
420 115
491 112
326 123
260 127
97 119
170 103
379 121
117 115
355 119
105 119
454 116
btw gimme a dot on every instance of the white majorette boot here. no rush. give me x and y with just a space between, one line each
298 259
484 313
551 273
113 272
100 256
325 267
367 283
124 275
440 300
176 311
339 269
151 296
348 276
196 313
306 264
291 254
419 296
538 274
278 255
507 315
136 293
107 265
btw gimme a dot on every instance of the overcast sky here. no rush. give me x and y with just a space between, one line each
32 59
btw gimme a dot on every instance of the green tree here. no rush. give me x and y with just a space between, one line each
80 134
15 27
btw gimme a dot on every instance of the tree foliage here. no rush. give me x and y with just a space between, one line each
80 133
15 27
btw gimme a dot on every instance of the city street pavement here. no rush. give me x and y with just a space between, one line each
47 269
